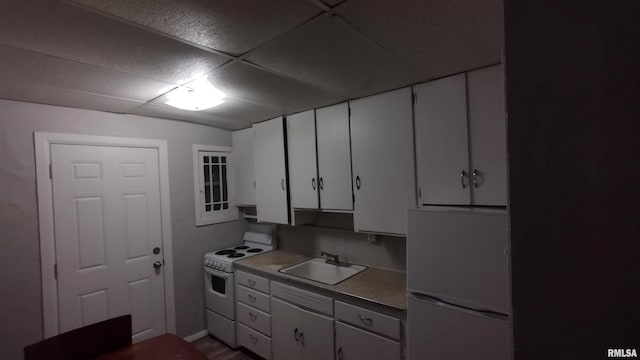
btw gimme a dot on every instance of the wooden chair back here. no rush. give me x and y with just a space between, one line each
84 343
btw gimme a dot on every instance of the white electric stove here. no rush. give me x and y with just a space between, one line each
219 283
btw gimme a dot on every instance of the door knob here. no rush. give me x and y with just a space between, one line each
157 265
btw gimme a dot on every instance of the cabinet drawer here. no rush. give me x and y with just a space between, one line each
254 319
254 341
252 281
254 298
303 298
369 320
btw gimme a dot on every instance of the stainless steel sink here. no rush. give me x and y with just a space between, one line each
317 269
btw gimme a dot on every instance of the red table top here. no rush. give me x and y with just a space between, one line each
163 347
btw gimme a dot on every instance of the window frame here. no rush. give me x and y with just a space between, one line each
214 216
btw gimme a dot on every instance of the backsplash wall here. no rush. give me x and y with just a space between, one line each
386 252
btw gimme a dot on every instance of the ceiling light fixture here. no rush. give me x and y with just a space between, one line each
197 95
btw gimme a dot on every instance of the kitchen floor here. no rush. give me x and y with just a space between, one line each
216 350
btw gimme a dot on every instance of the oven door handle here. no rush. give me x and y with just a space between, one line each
221 274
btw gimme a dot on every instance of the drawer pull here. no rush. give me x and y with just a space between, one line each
365 320
252 316
295 334
301 338
251 298
340 355
252 283
253 339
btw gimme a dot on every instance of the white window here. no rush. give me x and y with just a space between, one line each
213 169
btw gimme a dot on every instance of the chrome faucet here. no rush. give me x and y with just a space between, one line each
333 259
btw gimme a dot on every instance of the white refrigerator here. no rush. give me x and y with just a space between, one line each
458 284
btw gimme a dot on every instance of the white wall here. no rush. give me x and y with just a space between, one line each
388 252
20 286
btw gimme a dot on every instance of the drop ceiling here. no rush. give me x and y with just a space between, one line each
271 58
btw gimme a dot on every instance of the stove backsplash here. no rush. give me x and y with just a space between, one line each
387 252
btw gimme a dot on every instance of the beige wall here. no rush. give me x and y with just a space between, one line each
20 286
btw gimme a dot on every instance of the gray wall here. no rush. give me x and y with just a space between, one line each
20 287
573 103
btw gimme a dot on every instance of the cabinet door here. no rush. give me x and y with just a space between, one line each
285 331
355 344
244 175
383 166
442 141
270 172
316 337
303 170
487 140
334 157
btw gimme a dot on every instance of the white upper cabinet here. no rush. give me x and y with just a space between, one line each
383 163
334 157
460 139
487 142
303 170
245 191
270 171
441 141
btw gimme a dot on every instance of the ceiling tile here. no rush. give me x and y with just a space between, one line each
71 32
26 66
233 27
249 84
44 94
438 37
329 53
332 3
167 112
243 114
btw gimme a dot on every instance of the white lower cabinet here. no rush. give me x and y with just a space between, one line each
252 314
301 324
354 343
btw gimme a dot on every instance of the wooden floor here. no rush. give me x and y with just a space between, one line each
213 349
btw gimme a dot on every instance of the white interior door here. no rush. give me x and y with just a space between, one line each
442 143
303 170
334 157
107 220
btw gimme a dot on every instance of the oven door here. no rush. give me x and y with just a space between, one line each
219 292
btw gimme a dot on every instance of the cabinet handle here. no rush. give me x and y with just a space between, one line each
365 320
340 356
251 298
462 176
252 283
295 334
358 182
253 339
475 178
313 183
321 184
252 316
282 184
301 337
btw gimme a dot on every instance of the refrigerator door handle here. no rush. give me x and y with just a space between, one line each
438 302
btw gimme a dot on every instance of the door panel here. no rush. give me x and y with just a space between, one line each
303 171
383 166
487 140
442 142
316 337
107 222
284 329
270 172
334 157
354 344
440 332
